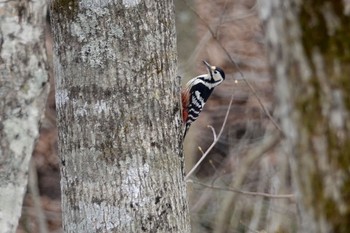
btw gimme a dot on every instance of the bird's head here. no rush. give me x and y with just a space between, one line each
216 73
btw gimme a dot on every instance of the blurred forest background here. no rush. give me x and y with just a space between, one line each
263 200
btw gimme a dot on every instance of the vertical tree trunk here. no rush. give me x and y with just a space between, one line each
118 116
310 53
23 93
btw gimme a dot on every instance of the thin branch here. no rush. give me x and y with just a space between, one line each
263 106
255 194
221 17
216 139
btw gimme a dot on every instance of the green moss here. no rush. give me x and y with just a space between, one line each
338 150
317 188
333 43
309 105
315 32
340 221
343 82
334 46
324 206
346 195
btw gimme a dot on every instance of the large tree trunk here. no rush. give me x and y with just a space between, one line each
23 93
118 116
310 55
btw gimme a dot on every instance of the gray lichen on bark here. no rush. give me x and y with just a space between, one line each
23 92
119 127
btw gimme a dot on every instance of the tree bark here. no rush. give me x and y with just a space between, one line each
23 93
309 55
118 116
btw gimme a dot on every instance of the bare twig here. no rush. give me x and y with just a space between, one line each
216 139
221 17
213 130
201 150
255 194
212 165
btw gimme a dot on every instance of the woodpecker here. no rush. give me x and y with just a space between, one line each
196 93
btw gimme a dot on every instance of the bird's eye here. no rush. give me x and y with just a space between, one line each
215 72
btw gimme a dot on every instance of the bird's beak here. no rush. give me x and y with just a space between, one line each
210 68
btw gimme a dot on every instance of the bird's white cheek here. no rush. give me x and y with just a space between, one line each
217 78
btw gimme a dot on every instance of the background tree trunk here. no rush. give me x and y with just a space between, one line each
310 53
118 116
23 93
